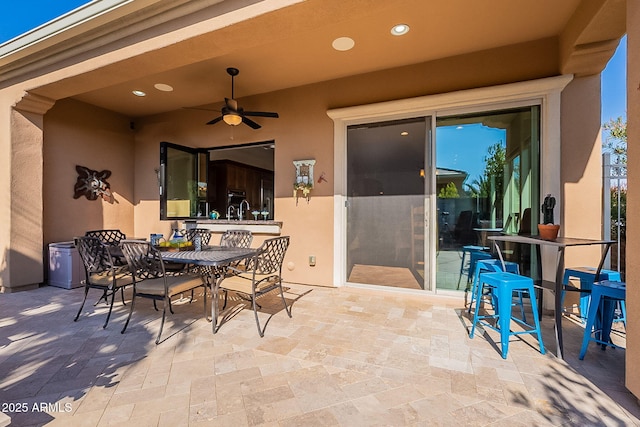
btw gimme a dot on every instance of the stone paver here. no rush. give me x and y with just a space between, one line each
348 357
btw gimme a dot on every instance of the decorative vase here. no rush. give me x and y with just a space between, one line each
548 231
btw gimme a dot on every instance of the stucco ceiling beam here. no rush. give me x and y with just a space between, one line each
36 104
591 36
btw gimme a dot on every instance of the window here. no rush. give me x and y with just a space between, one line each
195 181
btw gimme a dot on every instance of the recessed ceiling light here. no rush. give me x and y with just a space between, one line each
343 43
400 29
404 133
163 87
138 93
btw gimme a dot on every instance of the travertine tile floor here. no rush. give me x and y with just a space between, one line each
348 357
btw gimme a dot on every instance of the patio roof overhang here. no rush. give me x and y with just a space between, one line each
279 44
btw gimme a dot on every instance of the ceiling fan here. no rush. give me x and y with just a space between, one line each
233 115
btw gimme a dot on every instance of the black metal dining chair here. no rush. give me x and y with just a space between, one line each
111 238
203 233
150 279
236 238
261 274
101 272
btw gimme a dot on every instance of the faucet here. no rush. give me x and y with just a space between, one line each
241 211
230 209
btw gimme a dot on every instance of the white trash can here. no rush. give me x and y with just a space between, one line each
65 266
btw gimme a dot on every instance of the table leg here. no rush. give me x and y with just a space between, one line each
541 299
602 258
558 303
214 304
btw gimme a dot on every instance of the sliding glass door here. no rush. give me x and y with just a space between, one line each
487 182
412 222
387 182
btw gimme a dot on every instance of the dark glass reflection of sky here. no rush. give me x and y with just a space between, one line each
464 147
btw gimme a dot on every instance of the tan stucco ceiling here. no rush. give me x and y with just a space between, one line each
292 47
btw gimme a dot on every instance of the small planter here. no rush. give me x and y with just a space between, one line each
548 231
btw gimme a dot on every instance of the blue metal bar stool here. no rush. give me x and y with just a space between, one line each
604 296
587 276
474 257
504 284
470 249
494 265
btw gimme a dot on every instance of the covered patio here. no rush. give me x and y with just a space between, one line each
347 357
70 98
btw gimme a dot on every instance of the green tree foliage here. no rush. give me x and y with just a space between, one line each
492 178
449 192
616 142
618 201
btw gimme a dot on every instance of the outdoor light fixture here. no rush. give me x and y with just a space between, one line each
232 119
343 44
163 87
400 29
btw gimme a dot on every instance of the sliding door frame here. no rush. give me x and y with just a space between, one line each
545 92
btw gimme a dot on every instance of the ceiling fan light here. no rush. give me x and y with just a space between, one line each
232 119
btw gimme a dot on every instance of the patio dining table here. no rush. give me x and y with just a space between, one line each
210 256
561 243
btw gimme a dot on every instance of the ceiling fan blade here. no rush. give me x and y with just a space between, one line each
250 123
261 114
232 104
214 121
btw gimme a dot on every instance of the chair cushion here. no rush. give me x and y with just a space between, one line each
243 283
175 285
106 279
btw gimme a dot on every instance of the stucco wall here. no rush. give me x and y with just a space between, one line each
80 134
581 171
26 202
304 131
633 198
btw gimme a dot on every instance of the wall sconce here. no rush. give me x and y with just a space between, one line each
304 178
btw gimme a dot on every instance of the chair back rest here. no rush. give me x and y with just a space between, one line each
525 222
236 238
269 256
205 234
94 254
108 237
144 260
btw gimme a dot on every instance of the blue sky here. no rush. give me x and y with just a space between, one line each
614 77
20 16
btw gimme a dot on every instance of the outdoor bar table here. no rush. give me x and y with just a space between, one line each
210 256
561 243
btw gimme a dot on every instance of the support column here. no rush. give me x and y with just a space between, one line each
23 252
632 364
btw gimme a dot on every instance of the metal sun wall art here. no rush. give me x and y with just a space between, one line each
92 184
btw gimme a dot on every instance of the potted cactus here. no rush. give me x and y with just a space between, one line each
548 230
